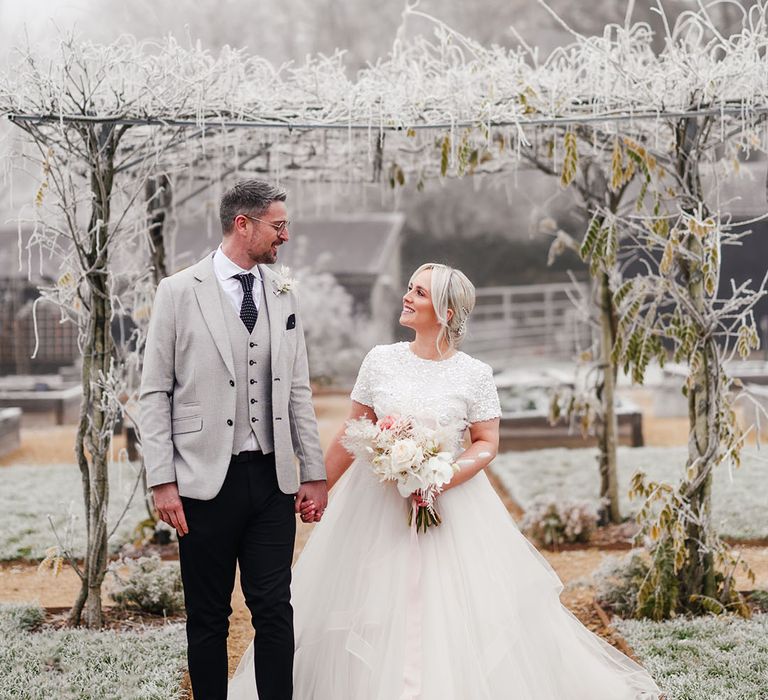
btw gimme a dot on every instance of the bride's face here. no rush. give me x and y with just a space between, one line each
418 312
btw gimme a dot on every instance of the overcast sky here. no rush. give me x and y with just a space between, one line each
15 13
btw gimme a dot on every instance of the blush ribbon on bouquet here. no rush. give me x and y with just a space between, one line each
419 458
413 645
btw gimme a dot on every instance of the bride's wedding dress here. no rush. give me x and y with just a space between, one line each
468 610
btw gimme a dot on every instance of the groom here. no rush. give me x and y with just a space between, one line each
225 405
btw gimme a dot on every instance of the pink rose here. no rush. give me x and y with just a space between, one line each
386 423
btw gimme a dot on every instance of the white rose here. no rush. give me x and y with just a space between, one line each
405 455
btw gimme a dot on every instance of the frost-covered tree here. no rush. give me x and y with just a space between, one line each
601 187
103 119
88 216
337 338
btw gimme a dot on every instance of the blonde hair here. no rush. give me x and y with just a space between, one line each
450 289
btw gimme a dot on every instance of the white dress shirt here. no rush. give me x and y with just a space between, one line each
225 271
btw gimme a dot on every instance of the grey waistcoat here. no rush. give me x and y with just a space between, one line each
251 356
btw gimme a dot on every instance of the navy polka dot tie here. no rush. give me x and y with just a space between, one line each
248 311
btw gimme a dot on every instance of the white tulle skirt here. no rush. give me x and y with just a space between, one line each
468 610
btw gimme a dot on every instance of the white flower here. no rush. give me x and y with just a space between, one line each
440 468
285 283
409 485
405 455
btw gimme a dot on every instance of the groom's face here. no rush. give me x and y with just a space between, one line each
261 239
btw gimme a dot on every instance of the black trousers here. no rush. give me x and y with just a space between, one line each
253 523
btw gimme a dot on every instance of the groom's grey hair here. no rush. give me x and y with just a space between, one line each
251 197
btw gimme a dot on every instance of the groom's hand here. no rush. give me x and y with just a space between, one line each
169 507
311 500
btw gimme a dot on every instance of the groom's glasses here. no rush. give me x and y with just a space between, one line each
279 226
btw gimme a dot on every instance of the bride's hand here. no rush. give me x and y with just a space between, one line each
418 499
308 512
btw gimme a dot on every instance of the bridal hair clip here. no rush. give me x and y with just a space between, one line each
462 329
286 283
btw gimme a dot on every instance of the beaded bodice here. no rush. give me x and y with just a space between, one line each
456 391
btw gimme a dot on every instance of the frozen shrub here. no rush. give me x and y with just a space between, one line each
147 584
149 531
20 616
618 579
631 588
759 599
552 522
336 336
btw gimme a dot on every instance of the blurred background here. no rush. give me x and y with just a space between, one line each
357 244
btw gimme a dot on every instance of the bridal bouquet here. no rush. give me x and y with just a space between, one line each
410 453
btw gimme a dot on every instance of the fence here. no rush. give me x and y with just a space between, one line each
516 323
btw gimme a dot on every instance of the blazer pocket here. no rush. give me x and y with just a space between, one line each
189 424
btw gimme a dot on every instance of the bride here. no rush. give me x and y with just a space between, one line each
469 609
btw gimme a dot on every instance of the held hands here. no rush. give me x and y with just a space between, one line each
169 507
311 501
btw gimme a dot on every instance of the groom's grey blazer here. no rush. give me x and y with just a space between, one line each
187 399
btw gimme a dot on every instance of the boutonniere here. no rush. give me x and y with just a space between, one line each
285 283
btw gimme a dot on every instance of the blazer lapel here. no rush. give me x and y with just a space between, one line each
209 299
275 310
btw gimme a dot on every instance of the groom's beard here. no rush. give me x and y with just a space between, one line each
268 257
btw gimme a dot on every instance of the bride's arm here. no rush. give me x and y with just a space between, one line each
485 444
337 459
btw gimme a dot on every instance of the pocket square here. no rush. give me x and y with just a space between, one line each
291 322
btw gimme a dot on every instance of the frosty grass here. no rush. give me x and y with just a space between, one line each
28 494
740 507
705 658
69 664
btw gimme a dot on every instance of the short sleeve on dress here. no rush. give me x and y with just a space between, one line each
362 392
484 402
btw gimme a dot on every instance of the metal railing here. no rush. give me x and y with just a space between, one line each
514 323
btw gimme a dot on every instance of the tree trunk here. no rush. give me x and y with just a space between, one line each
607 427
99 445
698 574
94 436
697 577
159 199
607 436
